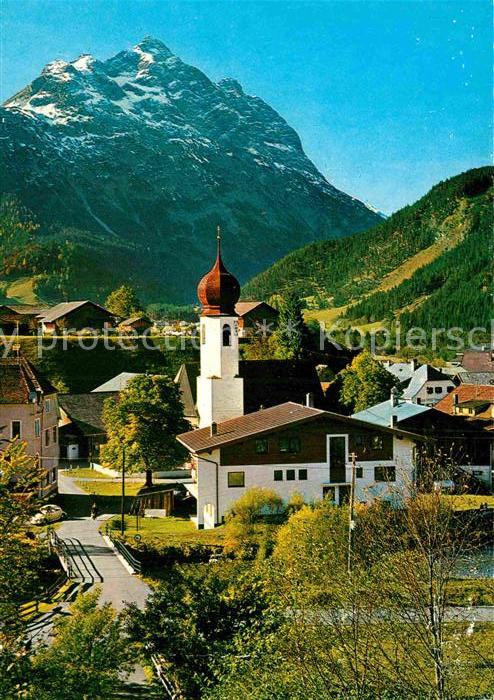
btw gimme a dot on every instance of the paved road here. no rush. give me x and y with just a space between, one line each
118 586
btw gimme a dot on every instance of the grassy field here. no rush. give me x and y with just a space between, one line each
83 473
478 591
108 488
468 501
173 530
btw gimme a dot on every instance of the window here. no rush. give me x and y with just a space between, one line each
359 472
337 446
289 444
278 474
377 442
227 335
261 446
385 473
450 388
302 474
290 474
47 437
429 389
47 405
37 428
438 389
358 440
419 401
54 433
236 479
15 429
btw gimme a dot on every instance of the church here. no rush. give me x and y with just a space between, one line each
289 445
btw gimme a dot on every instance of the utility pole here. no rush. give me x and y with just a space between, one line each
351 510
122 508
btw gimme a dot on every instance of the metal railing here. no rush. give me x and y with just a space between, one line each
33 607
121 548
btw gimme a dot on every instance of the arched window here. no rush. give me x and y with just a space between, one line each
227 335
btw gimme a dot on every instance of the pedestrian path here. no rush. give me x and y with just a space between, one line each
118 586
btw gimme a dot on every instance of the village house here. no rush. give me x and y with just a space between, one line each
140 323
465 444
29 412
293 448
82 430
289 447
75 316
427 386
256 318
20 318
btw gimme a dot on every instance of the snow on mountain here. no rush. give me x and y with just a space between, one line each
147 147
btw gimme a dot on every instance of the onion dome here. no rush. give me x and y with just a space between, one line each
219 290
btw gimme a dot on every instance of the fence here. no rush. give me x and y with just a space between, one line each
131 560
48 593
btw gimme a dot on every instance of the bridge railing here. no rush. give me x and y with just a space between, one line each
122 549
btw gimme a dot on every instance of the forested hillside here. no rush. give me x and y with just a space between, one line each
429 263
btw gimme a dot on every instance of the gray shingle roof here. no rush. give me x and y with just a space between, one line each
117 383
421 375
381 413
86 410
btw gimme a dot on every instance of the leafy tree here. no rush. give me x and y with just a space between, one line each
365 382
196 619
145 420
20 561
245 529
123 302
88 656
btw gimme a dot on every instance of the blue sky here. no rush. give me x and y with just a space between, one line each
388 97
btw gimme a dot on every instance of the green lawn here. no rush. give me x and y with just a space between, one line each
171 530
109 488
479 591
83 473
468 501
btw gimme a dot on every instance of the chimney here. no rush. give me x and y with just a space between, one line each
393 399
213 430
309 400
393 420
455 399
413 365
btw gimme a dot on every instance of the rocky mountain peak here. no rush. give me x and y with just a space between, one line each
143 155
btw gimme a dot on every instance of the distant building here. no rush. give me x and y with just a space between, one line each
478 360
459 427
76 316
464 377
20 318
136 324
29 412
82 430
427 386
266 383
117 383
401 370
256 318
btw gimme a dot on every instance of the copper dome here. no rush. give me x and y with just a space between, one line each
219 290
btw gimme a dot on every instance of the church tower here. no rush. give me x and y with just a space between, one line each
220 390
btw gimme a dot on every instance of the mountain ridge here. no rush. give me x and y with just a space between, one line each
426 265
135 159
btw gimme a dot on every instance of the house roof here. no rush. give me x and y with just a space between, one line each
117 383
401 370
478 360
66 308
466 393
475 377
265 421
268 382
86 410
133 319
19 379
25 309
421 375
245 307
381 413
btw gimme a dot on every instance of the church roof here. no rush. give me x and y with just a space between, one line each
219 290
266 383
